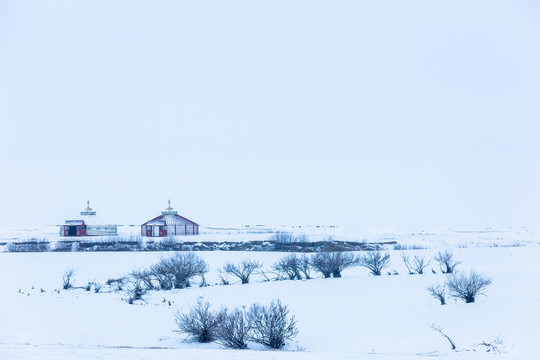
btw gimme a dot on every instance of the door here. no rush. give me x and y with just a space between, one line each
72 231
148 230
162 231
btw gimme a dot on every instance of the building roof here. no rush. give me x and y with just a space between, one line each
75 222
170 219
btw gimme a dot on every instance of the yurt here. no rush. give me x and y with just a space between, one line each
169 223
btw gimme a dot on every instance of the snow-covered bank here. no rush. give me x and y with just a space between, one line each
421 238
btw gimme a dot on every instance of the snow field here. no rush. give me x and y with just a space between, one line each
357 314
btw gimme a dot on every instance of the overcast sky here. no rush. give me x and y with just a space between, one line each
400 114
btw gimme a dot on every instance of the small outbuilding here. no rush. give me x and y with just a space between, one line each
73 228
169 223
88 224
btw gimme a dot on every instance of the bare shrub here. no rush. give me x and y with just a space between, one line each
408 247
288 238
200 323
242 270
496 346
375 261
332 263
223 279
233 330
97 287
416 265
271 325
305 266
135 290
282 237
120 283
178 270
438 292
446 261
144 276
467 286
289 267
67 282
33 245
163 274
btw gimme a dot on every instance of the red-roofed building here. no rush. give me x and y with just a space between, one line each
169 223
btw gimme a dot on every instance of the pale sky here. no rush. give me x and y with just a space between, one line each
396 113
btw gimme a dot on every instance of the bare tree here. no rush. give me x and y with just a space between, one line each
200 323
438 292
271 325
332 263
233 330
446 261
242 270
467 286
439 329
375 261
67 282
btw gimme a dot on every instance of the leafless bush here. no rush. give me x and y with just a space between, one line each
332 263
408 247
135 290
242 270
438 292
271 325
178 270
446 261
496 346
200 323
97 287
292 266
305 266
467 286
68 279
282 237
287 238
223 280
120 283
233 330
163 274
34 245
375 261
416 265
144 276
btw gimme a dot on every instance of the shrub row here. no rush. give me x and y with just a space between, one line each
270 325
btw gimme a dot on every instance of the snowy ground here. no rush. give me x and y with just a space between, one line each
357 316
426 238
